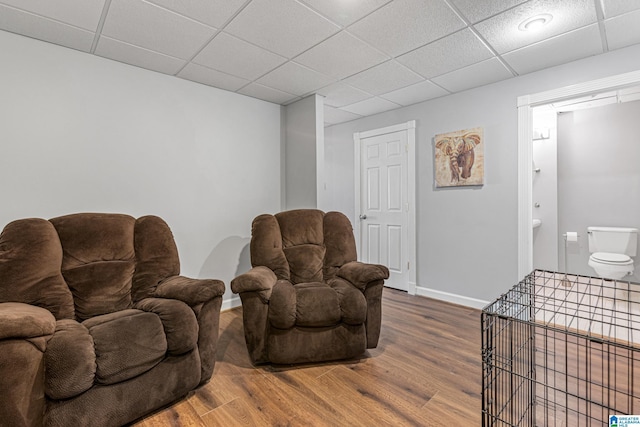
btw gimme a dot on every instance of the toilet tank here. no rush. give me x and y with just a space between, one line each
617 240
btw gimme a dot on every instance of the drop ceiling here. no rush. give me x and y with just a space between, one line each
363 56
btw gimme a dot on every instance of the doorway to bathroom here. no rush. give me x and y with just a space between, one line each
530 134
586 173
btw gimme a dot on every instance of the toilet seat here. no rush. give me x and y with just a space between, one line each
611 258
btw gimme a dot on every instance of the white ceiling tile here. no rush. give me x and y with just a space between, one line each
503 34
618 7
143 24
259 91
209 77
211 12
231 55
403 25
334 116
384 78
475 10
84 14
35 26
371 106
415 93
623 30
341 56
482 73
450 53
134 55
285 27
557 50
340 94
345 12
294 78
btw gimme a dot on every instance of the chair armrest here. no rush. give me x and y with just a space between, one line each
190 291
361 274
23 321
259 279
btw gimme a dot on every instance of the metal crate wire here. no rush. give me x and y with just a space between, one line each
561 350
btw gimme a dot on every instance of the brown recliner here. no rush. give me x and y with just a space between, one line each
307 299
96 325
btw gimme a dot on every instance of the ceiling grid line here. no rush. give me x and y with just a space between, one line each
601 26
103 17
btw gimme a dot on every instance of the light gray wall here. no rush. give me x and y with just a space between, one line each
82 133
304 151
598 176
466 238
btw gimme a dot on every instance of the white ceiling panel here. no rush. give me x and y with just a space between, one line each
362 56
447 54
475 10
403 25
134 55
475 75
259 91
415 93
623 30
345 12
371 106
618 7
384 78
231 55
341 56
340 94
285 27
28 24
207 76
84 14
211 12
503 34
294 78
146 25
334 116
557 50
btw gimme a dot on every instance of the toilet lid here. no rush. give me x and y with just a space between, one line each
611 258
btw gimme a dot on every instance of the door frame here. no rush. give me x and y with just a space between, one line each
410 127
525 151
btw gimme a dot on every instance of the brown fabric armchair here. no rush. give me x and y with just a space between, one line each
307 299
96 325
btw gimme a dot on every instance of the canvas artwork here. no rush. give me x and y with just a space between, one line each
459 158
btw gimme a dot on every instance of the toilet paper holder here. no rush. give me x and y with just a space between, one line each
569 237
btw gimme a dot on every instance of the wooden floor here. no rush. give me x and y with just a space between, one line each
426 371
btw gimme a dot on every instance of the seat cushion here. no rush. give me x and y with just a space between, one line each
317 305
127 343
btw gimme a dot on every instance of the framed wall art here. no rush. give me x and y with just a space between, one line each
459 158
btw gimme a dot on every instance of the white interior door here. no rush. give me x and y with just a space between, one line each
384 205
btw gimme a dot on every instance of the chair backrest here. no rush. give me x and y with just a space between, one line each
83 265
303 245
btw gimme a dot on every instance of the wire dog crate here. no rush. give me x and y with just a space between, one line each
561 350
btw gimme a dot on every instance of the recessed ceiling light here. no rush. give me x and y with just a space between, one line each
535 22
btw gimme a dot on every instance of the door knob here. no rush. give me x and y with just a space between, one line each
363 216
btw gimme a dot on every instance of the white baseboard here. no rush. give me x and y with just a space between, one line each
231 303
453 298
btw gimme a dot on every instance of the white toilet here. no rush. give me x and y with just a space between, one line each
612 249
